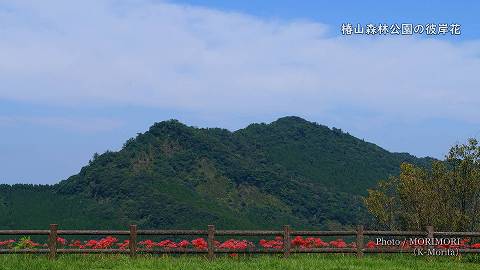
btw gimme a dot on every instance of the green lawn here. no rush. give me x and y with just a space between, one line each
297 262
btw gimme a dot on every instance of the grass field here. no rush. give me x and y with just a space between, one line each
337 262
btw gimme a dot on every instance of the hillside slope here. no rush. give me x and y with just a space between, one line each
174 176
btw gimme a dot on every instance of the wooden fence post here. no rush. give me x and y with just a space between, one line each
430 231
211 241
286 241
360 241
52 241
132 244
429 234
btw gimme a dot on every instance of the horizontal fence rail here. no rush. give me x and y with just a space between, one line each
286 235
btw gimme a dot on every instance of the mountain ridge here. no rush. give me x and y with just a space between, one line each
290 171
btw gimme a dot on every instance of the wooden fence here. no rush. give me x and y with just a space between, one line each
287 233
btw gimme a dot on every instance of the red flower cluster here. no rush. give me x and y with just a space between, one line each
7 243
339 243
200 243
231 244
236 244
300 242
277 243
124 244
312 242
183 244
163 244
104 243
61 241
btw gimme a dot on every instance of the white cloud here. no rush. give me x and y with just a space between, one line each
190 58
76 124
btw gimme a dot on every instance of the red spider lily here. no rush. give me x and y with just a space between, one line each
183 244
148 243
61 241
231 244
123 245
167 244
103 243
476 245
298 241
316 242
199 243
77 244
236 244
339 243
7 243
275 244
309 242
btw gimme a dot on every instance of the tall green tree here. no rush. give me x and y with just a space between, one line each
446 196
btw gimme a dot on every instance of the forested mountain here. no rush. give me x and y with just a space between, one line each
290 171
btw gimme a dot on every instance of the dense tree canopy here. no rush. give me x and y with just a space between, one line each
290 171
446 196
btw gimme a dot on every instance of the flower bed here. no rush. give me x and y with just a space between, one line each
298 242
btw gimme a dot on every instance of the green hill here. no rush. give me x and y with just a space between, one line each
290 171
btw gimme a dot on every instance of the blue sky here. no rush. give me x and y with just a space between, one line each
81 78
334 13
